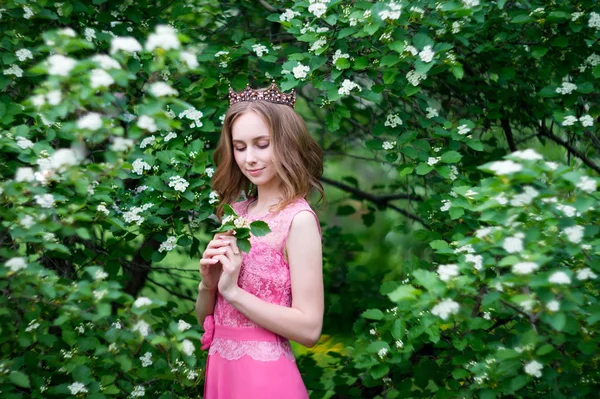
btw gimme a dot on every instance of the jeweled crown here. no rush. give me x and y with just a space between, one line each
270 94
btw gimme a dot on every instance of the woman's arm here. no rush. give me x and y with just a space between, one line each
303 321
205 302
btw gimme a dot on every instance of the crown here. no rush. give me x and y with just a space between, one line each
270 94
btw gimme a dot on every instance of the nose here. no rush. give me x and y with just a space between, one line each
250 155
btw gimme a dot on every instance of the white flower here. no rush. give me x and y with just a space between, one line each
67 32
147 141
470 3
524 198
318 8
142 327
411 49
221 54
288 15
300 71
433 160
586 120
138 391
23 54
445 308
77 387
100 275
414 78
102 208
317 44
393 120
213 197
127 44
24 174
170 136
116 325
100 78
505 167
142 301
120 144
14 70
534 368
106 62
139 165
574 234
38 100
513 244
587 184
477 260
165 38
585 274
347 87
260 49
528 304
168 245
431 113
382 352
183 326
23 142
188 347
54 97
60 65
209 172
553 305
566 88
192 375
487 315
447 204
146 359
463 129
569 120
161 89
559 278
178 183
568 210
528 154
91 121
338 54
16 264
189 58
194 115
393 13
388 145
89 34
147 123
524 267
45 200
594 21
399 344
426 55
62 157
447 272
372 331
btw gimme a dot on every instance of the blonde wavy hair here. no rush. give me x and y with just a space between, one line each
298 159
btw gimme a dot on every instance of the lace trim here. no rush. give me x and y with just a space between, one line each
264 351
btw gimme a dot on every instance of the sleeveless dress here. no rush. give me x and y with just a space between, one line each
246 361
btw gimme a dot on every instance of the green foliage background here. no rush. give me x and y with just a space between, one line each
465 137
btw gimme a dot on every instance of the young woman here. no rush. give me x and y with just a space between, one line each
252 304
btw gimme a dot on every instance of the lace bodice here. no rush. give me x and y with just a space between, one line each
264 273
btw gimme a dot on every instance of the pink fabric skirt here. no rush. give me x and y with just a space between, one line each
247 378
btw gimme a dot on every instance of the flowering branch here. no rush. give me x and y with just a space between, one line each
241 228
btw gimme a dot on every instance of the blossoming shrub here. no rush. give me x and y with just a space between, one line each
62 337
511 308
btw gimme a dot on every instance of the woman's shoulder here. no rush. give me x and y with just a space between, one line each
240 207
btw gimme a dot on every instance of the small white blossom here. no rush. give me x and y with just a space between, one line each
127 44
23 142
188 347
24 54
427 54
260 49
16 264
528 155
414 77
447 204
209 172
288 15
213 197
147 123
534 368
24 174
165 37
90 34
45 200
569 120
524 267
566 88
559 278
142 327
574 234
138 391
586 121
388 145
513 244
139 165
168 245
183 326
161 89
146 359
54 97
393 120
90 121
60 65
106 62
142 301
372 331
318 7
553 305
190 59
300 71
77 387
463 129
431 113
394 12
194 115
178 183
587 184
568 210
594 21
120 144
586 274
433 160
347 87
14 70
445 308
477 260
382 352
447 272
505 167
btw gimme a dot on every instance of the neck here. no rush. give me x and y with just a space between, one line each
267 196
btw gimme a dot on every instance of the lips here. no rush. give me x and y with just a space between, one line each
254 172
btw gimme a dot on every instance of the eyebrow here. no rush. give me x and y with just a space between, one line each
255 139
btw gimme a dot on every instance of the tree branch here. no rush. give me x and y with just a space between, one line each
508 133
164 287
569 147
268 6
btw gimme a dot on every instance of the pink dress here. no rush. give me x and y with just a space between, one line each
246 361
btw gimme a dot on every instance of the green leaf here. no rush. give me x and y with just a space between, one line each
19 379
398 329
342 63
372 314
379 370
451 157
345 210
439 245
518 382
259 228
397 46
558 321
404 292
390 60
423 168
455 213
459 374
244 245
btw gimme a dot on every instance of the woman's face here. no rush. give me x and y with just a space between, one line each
252 149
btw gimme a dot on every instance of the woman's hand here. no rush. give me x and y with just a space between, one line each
231 262
210 266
